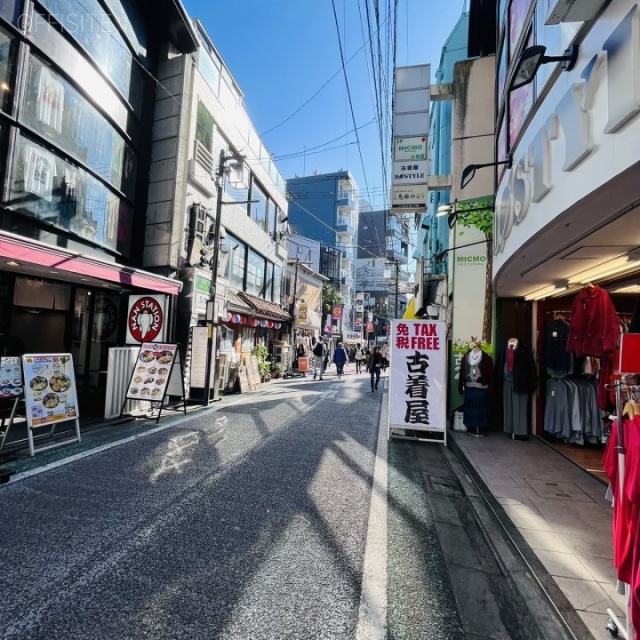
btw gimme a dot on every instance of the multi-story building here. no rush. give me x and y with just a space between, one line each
77 110
325 207
203 140
383 248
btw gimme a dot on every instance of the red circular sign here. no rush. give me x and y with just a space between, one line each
145 319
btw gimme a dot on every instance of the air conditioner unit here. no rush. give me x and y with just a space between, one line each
574 11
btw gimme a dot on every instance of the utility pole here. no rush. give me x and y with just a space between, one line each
212 321
211 303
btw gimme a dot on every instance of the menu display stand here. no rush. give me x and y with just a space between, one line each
156 375
50 396
11 393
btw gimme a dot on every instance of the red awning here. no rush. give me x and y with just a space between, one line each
30 252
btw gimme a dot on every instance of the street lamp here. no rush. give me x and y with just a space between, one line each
211 315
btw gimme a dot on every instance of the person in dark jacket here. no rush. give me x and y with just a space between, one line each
374 367
340 358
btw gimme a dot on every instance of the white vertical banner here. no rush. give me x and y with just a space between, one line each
418 376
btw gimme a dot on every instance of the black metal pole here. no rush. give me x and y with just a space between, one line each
395 314
211 315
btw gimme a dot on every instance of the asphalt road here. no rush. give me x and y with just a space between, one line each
246 522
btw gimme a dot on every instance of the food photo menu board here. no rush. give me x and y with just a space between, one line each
50 388
152 371
11 385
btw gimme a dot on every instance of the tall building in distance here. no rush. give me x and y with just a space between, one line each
325 207
381 276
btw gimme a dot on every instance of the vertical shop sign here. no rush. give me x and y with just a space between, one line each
418 380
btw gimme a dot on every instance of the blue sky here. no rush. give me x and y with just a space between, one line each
285 53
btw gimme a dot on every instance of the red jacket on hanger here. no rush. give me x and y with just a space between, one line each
594 328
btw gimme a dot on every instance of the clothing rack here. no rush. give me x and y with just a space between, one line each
614 626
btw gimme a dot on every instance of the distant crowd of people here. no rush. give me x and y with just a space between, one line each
373 360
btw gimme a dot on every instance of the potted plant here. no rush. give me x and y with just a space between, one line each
262 354
276 370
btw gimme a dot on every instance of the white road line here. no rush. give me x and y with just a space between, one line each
372 617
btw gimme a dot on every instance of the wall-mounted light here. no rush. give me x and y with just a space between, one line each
470 170
532 57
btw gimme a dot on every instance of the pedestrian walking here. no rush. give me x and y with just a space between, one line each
384 351
319 352
374 366
340 358
358 356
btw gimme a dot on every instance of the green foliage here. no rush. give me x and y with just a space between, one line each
265 370
264 366
330 296
471 214
260 352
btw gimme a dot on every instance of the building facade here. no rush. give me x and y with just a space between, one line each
382 277
78 102
325 207
208 160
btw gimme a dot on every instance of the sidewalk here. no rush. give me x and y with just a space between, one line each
557 517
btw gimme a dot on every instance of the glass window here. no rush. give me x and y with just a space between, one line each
255 273
268 283
58 112
204 127
518 12
234 272
94 30
7 63
277 283
272 217
258 209
208 69
520 104
127 15
59 193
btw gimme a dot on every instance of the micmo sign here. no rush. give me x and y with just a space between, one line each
530 178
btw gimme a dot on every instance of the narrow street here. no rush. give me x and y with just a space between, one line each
250 521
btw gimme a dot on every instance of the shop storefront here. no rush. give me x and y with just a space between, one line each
567 235
56 301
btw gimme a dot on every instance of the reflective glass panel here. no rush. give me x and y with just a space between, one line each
59 193
58 112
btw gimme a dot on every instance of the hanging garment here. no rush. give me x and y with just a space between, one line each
39 171
50 100
475 381
516 410
594 328
555 357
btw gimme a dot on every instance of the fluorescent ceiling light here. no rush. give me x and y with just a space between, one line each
630 288
545 292
629 265
596 272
